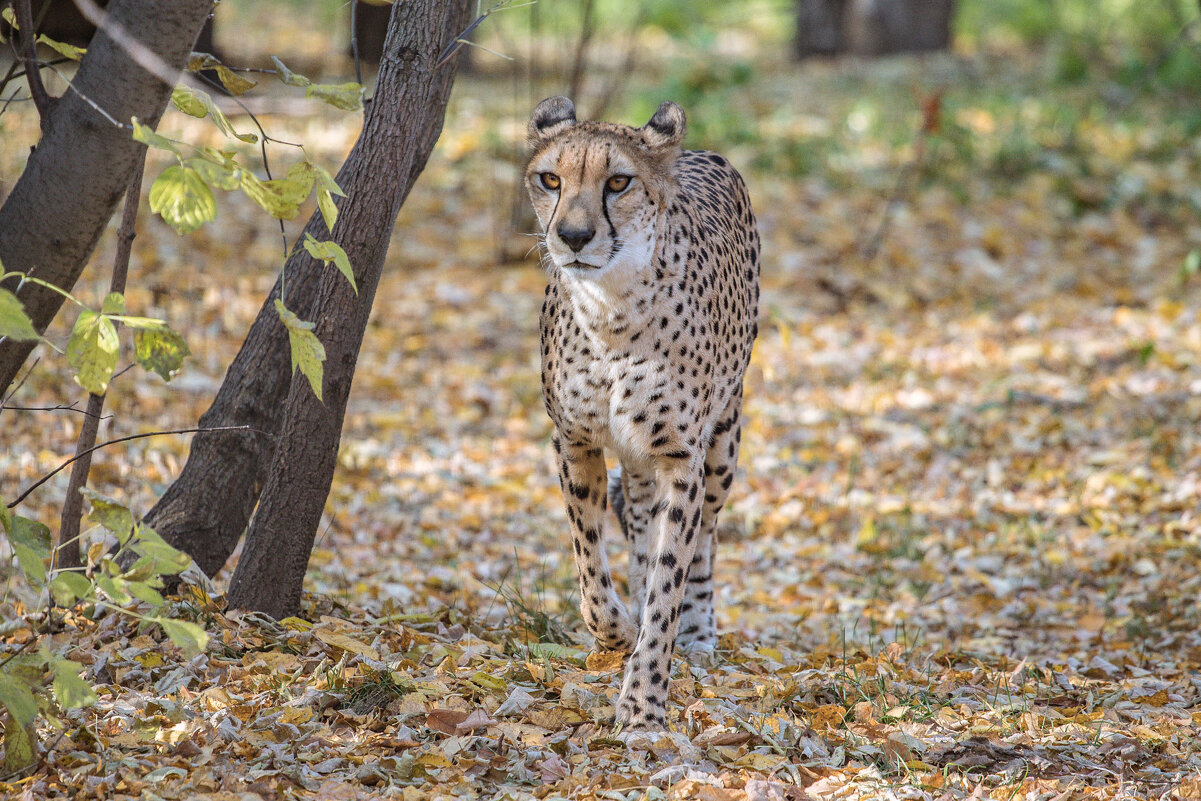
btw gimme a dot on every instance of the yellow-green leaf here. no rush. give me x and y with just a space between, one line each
109 514
113 589
71 691
329 209
183 199
62 48
150 138
184 99
331 252
30 541
68 586
18 749
188 636
279 198
14 322
346 96
160 350
92 351
163 558
236 84
114 303
18 699
308 354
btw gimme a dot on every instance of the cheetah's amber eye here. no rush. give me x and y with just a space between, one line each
549 180
617 183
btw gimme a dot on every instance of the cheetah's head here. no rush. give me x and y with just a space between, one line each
599 189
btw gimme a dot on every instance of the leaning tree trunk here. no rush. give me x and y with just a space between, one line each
207 508
410 101
52 219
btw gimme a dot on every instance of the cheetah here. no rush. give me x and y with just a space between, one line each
646 331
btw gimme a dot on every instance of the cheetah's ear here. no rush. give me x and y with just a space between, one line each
551 116
666 127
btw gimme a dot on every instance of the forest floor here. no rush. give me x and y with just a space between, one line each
962 556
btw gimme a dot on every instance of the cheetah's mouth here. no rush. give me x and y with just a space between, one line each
582 265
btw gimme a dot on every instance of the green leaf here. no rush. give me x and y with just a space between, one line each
186 101
14 322
163 559
287 76
68 586
183 199
18 699
71 691
144 592
114 303
31 543
111 515
62 48
113 589
308 354
92 351
160 350
18 749
236 84
331 252
148 137
191 637
346 96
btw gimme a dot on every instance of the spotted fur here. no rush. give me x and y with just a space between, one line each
647 328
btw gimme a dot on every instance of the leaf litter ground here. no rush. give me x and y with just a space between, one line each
961 557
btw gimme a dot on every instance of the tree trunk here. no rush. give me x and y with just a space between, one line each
205 511
872 27
52 219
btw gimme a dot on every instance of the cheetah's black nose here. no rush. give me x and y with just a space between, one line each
576 238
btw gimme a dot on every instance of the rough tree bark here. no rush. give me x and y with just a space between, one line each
207 508
50 222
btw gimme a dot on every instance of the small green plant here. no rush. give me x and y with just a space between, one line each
530 611
36 681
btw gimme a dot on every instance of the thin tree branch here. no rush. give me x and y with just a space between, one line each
61 407
29 55
66 555
119 440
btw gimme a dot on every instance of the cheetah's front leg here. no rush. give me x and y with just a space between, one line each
583 480
643 700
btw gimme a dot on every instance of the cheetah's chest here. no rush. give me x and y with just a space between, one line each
603 397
